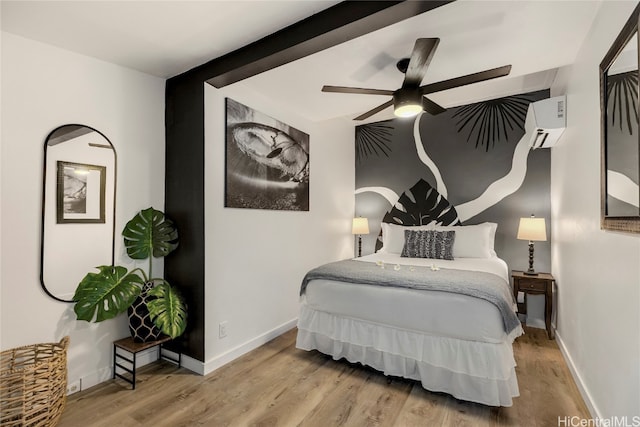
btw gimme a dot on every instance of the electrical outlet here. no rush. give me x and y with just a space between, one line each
222 329
74 387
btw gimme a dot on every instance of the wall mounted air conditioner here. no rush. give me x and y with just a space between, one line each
549 118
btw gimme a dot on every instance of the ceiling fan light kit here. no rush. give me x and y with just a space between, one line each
409 100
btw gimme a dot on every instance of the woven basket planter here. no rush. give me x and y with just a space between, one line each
33 384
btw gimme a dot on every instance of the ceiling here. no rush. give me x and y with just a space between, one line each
166 38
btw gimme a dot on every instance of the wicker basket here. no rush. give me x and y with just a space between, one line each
33 384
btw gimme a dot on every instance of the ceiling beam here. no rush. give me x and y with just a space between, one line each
340 23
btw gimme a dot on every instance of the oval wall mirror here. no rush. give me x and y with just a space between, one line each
78 207
619 97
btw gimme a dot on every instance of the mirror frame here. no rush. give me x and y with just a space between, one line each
44 195
629 224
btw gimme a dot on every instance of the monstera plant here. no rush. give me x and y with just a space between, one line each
114 289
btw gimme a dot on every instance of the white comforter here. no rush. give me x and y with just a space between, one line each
449 342
437 313
493 265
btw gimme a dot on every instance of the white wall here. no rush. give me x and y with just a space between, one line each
256 259
44 87
598 272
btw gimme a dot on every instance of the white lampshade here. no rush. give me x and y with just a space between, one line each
532 229
360 226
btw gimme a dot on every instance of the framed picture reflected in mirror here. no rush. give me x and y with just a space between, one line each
80 193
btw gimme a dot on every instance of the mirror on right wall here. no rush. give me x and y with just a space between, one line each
619 100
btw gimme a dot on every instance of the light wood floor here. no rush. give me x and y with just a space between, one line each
279 385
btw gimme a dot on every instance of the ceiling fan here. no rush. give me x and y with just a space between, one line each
410 99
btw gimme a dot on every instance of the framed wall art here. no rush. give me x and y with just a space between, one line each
266 163
80 193
620 145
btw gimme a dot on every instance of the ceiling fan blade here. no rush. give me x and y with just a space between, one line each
362 91
466 80
375 110
431 107
421 56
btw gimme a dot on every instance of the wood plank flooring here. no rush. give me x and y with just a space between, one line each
279 385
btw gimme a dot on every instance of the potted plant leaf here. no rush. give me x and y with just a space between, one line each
114 289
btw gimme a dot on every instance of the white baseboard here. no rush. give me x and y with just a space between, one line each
194 365
106 373
586 396
95 378
234 353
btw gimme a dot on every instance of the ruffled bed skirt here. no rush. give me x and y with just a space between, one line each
468 370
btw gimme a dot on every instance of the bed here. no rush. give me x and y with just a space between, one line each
455 343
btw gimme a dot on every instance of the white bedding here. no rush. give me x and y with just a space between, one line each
493 265
451 343
437 313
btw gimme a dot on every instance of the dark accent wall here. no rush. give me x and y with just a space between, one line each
184 201
184 122
472 146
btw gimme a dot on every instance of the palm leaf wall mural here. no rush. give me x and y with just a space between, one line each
419 205
492 120
622 93
373 139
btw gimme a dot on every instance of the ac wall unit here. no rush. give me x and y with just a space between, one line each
549 118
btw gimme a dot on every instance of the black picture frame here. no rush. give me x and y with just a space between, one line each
612 218
80 193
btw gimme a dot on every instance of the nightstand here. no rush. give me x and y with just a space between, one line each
538 284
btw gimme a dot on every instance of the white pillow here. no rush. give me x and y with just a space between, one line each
493 227
473 241
393 236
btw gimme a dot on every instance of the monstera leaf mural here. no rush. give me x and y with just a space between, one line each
622 93
373 139
419 205
492 120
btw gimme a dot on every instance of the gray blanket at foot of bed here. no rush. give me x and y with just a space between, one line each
478 284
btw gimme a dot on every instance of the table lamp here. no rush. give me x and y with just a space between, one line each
360 226
532 229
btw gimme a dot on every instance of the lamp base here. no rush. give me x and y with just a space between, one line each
531 271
